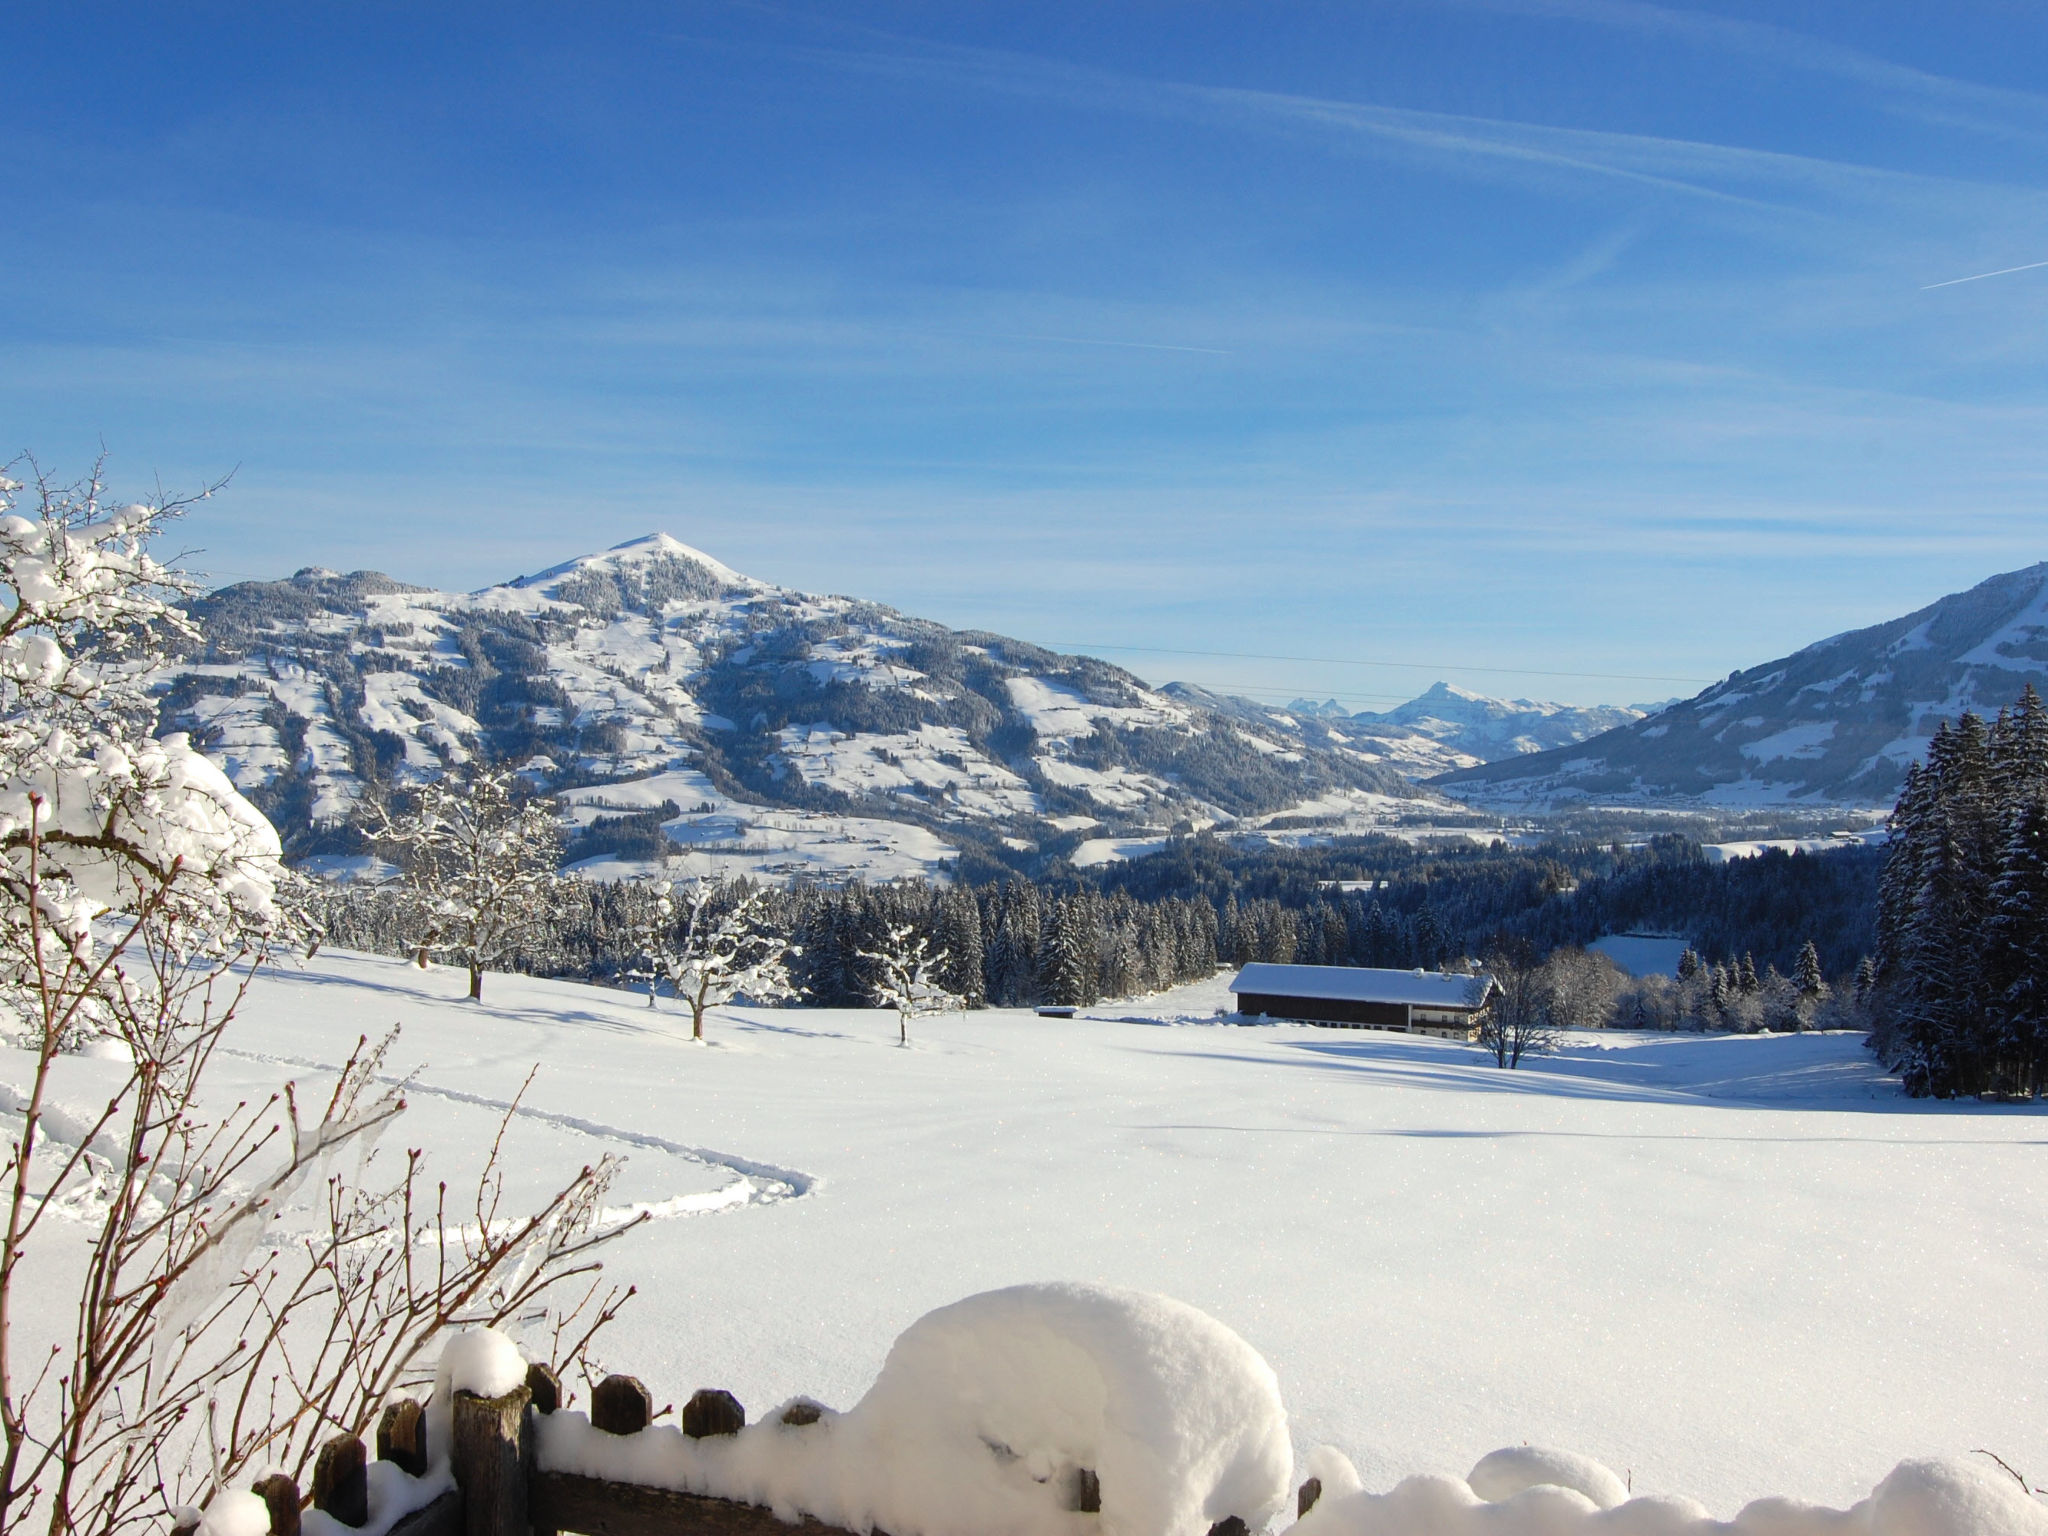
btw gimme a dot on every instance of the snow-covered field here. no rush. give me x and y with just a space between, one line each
1726 1266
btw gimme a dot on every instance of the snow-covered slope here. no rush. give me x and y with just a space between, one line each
1719 1254
1835 723
684 709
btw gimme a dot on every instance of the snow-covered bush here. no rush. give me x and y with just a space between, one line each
111 841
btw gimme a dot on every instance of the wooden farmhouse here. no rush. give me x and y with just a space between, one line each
1355 997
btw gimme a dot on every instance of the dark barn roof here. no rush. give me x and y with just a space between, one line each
1362 984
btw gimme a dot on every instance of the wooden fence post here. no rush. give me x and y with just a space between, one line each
281 1496
492 1459
402 1436
341 1482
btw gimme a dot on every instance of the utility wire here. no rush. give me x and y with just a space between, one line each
1359 661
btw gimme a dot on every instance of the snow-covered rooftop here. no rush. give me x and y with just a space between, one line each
1359 984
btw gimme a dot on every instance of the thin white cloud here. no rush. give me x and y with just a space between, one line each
1734 176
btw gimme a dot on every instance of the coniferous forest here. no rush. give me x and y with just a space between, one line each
1961 1004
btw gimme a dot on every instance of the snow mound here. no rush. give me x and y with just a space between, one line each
1919 1498
479 1360
1177 1416
236 1512
1503 1474
984 1417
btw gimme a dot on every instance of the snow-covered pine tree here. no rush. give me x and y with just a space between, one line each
1067 959
1807 976
960 938
477 856
1430 940
2016 952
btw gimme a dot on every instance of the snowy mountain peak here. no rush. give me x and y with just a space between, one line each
688 566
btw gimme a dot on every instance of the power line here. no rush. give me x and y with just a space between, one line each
1359 661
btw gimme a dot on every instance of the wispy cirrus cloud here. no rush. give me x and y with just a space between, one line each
1731 175
1996 111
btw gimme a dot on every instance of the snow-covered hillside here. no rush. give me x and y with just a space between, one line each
684 709
1835 723
1727 1266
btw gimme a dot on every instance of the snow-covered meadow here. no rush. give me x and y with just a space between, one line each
1724 1266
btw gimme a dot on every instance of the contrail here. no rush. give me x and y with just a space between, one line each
1977 277
1146 346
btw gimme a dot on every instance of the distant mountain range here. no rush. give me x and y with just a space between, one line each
678 707
1835 723
1446 727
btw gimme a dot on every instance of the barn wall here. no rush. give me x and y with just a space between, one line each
1324 1010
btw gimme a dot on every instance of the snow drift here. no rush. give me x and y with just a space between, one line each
1526 1491
984 1416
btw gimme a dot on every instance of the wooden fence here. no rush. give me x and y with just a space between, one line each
500 1489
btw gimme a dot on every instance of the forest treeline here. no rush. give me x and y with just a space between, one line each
1177 916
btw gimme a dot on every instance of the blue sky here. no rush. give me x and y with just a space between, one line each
1583 349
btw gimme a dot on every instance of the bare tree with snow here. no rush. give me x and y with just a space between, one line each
906 977
478 859
137 897
1517 1022
710 943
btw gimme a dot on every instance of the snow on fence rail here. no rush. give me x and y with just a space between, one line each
1049 1410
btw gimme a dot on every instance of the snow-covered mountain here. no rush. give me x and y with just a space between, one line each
1835 723
1490 729
677 706
1446 727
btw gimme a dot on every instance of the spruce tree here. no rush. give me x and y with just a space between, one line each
1806 975
960 942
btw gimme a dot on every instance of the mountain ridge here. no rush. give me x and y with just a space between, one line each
1833 723
681 709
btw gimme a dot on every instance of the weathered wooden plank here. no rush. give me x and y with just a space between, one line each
443 1517
492 1456
545 1386
593 1506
